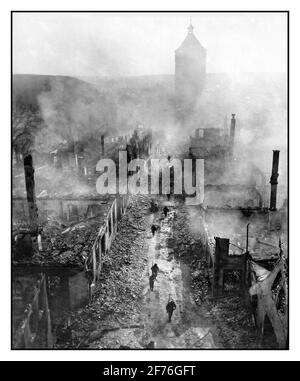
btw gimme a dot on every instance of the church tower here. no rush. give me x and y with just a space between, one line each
190 72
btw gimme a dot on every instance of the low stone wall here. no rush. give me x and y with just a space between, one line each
105 238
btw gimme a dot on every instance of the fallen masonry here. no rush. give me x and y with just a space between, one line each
68 253
115 302
239 323
116 315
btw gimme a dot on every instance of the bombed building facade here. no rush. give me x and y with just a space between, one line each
81 260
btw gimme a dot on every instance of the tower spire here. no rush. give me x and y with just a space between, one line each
190 27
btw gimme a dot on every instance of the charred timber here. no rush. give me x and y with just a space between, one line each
273 180
30 191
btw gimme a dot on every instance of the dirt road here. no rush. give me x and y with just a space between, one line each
189 328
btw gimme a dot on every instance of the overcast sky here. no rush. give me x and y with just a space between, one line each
97 44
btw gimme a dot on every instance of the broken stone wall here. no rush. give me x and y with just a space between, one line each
105 238
67 210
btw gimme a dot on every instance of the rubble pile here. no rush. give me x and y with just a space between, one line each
71 245
65 246
117 298
235 324
189 248
66 243
231 315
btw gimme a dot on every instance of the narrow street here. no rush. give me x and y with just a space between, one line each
151 329
187 329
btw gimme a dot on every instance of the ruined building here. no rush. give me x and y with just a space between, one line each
190 72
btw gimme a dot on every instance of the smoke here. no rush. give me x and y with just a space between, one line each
259 102
77 111
116 106
73 110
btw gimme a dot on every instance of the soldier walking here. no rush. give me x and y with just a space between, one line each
153 230
165 210
154 270
170 307
151 282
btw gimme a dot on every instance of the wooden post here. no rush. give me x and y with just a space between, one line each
30 190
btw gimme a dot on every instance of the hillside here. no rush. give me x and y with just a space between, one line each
27 88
